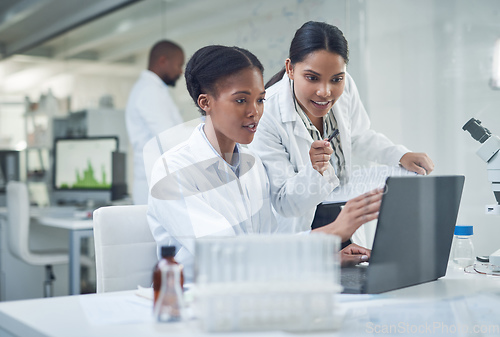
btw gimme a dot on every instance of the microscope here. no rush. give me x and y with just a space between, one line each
490 145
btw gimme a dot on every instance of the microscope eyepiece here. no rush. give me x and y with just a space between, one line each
476 130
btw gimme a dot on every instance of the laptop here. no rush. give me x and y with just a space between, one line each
413 237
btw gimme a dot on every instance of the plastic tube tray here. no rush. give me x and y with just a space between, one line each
266 282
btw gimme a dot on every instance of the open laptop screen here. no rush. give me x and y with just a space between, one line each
414 231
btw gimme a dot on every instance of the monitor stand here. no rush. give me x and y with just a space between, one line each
81 199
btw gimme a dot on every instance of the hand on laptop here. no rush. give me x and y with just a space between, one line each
356 212
354 254
417 162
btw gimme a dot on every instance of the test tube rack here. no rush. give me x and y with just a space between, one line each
266 282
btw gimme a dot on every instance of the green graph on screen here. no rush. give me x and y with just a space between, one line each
87 179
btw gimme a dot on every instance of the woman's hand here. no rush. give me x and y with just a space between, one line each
417 162
320 153
356 212
354 254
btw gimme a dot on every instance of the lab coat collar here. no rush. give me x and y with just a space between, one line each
202 151
287 108
148 75
203 165
207 156
288 113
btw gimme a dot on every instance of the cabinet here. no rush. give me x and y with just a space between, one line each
93 123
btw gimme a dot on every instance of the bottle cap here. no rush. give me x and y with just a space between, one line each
464 230
167 251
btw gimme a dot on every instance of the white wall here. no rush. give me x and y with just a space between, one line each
261 26
429 63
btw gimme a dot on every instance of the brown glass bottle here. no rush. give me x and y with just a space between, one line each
167 256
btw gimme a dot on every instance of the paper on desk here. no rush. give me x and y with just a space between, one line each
147 293
116 309
144 292
364 180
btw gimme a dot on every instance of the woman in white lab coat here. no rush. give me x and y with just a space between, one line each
305 103
212 186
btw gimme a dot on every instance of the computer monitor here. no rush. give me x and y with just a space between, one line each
84 164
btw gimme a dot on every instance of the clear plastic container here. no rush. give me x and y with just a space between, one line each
463 249
267 282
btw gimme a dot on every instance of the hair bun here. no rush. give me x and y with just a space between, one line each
192 83
212 63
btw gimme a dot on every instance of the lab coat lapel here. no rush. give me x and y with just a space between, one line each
299 129
288 114
247 181
220 175
173 185
213 165
344 133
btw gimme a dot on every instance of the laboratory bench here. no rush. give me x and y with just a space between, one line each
456 304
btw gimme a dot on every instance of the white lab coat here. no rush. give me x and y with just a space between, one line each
150 110
194 194
283 143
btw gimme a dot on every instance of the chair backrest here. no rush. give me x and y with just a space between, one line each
125 249
18 212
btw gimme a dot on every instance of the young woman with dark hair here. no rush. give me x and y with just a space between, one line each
312 98
212 186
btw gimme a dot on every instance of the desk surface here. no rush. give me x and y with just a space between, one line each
450 300
67 223
61 217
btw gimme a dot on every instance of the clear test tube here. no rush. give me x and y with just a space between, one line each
239 251
215 272
226 263
281 261
335 258
201 262
316 258
268 272
304 260
260 263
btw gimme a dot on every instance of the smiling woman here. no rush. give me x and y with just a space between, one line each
314 120
318 83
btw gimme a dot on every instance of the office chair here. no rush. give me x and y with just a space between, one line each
125 249
18 207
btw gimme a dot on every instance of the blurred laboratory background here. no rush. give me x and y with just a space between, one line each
423 69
